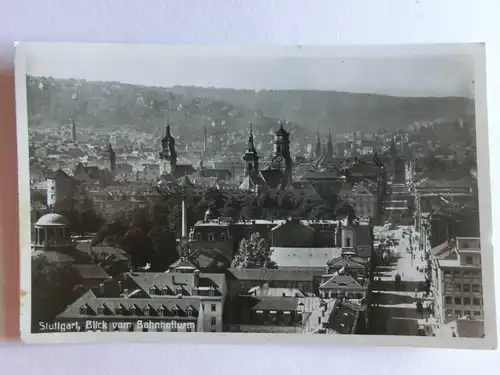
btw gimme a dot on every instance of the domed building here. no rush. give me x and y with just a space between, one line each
52 240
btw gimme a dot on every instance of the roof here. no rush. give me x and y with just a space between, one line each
266 274
440 249
252 181
345 261
52 220
120 306
185 182
147 280
91 271
341 281
276 303
343 318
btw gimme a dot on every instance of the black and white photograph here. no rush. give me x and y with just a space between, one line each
255 192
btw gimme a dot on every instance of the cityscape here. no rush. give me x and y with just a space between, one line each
182 208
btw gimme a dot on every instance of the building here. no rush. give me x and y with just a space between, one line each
52 241
181 299
457 279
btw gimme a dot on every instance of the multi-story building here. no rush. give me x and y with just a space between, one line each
181 299
457 280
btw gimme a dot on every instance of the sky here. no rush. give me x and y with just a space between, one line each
416 75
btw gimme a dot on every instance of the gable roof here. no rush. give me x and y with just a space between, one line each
341 281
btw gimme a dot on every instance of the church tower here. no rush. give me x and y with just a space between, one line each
318 150
282 158
168 155
109 157
329 146
251 157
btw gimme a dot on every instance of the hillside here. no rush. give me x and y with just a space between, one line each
111 105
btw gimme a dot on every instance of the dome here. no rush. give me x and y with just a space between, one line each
52 220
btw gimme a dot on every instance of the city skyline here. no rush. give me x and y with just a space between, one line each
400 74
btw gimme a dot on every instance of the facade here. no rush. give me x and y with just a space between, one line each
181 299
456 269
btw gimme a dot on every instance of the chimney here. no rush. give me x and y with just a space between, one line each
120 287
184 221
101 288
196 278
125 293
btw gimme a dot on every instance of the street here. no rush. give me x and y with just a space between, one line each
394 306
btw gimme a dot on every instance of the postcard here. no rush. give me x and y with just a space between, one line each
286 194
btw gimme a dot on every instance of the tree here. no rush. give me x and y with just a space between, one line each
163 248
54 286
253 253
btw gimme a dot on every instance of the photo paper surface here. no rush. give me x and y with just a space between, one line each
255 194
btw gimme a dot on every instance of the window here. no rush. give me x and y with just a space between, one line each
457 273
458 300
467 313
477 313
101 310
457 287
118 310
448 300
466 287
144 329
211 292
476 288
448 287
147 311
165 291
458 313
173 329
466 273
189 329
211 237
213 330
83 310
197 236
213 321
347 242
213 307
133 310
152 291
469 259
223 236
476 301
447 274
189 312
161 311
466 300
449 313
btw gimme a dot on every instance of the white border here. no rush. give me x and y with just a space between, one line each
23 52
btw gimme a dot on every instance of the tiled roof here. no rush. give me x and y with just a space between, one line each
173 280
440 249
122 306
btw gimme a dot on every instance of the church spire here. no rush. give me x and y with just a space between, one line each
318 145
251 146
329 145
